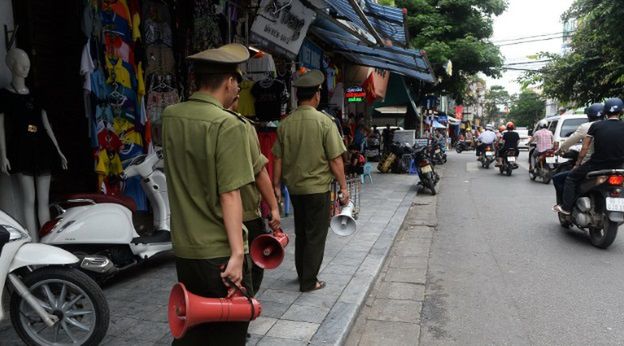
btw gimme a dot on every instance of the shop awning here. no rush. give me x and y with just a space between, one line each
410 63
388 21
392 110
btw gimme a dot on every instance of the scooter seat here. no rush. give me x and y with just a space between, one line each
156 237
79 199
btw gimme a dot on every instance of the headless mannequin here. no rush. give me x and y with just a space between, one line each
19 64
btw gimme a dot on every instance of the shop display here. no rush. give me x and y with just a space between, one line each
27 140
270 96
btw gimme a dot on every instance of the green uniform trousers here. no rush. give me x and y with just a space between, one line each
311 225
256 227
203 277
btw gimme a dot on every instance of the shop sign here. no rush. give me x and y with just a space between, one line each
310 55
355 94
281 26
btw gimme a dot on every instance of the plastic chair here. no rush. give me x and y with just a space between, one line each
286 200
368 170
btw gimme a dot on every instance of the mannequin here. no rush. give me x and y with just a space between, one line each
25 150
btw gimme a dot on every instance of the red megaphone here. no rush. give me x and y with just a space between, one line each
267 250
187 309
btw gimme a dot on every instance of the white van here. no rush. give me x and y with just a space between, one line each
562 126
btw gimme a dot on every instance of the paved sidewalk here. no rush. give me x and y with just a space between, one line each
138 298
392 311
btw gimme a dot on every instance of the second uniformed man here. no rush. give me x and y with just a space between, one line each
206 167
308 152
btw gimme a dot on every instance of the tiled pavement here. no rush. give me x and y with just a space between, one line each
138 297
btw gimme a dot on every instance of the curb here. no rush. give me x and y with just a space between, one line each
337 325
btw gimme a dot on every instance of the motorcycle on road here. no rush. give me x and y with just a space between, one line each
50 303
545 166
599 207
487 157
508 162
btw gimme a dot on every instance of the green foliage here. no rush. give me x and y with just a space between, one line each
495 99
387 2
527 109
455 30
594 69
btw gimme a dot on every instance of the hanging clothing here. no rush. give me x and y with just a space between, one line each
269 95
29 149
156 104
261 66
160 60
246 100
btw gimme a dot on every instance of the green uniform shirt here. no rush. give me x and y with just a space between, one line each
249 193
306 141
203 159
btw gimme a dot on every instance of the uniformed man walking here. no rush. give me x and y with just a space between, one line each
206 166
252 195
308 151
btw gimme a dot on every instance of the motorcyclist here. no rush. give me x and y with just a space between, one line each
594 113
487 137
508 141
606 137
543 140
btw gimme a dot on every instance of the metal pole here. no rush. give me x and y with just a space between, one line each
369 26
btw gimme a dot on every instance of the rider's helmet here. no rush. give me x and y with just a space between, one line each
510 126
595 112
542 124
489 127
502 128
613 106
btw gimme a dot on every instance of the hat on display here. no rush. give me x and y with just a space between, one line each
310 79
220 60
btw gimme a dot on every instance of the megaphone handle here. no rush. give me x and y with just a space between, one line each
233 288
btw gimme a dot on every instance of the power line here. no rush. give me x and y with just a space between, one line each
534 36
529 41
528 62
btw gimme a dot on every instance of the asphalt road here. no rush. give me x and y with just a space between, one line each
503 272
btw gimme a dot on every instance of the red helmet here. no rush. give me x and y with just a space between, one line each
510 126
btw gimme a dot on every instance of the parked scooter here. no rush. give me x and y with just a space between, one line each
426 173
599 208
50 303
508 162
487 157
438 154
104 231
464 146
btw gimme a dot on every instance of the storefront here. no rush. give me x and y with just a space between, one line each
104 70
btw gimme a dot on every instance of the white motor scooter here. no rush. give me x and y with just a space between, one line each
50 302
103 231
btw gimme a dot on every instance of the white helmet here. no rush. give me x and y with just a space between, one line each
542 124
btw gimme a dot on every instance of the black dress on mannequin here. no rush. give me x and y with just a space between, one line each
29 148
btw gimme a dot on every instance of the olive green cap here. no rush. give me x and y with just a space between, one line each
219 60
310 79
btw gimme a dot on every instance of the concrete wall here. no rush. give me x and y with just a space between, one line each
8 195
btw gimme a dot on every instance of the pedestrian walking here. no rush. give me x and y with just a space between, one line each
206 167
308 151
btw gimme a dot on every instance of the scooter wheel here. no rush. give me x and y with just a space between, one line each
532 175
83 308
563 221
604 237
458 150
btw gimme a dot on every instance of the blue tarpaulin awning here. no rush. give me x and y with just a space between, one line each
386 20
410 63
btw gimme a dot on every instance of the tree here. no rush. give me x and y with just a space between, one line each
495 99
594 67
527 109
455 30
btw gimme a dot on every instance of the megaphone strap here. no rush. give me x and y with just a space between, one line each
246 295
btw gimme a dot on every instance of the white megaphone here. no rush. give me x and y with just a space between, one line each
343 224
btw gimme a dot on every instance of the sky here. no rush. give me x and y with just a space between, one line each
527 18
